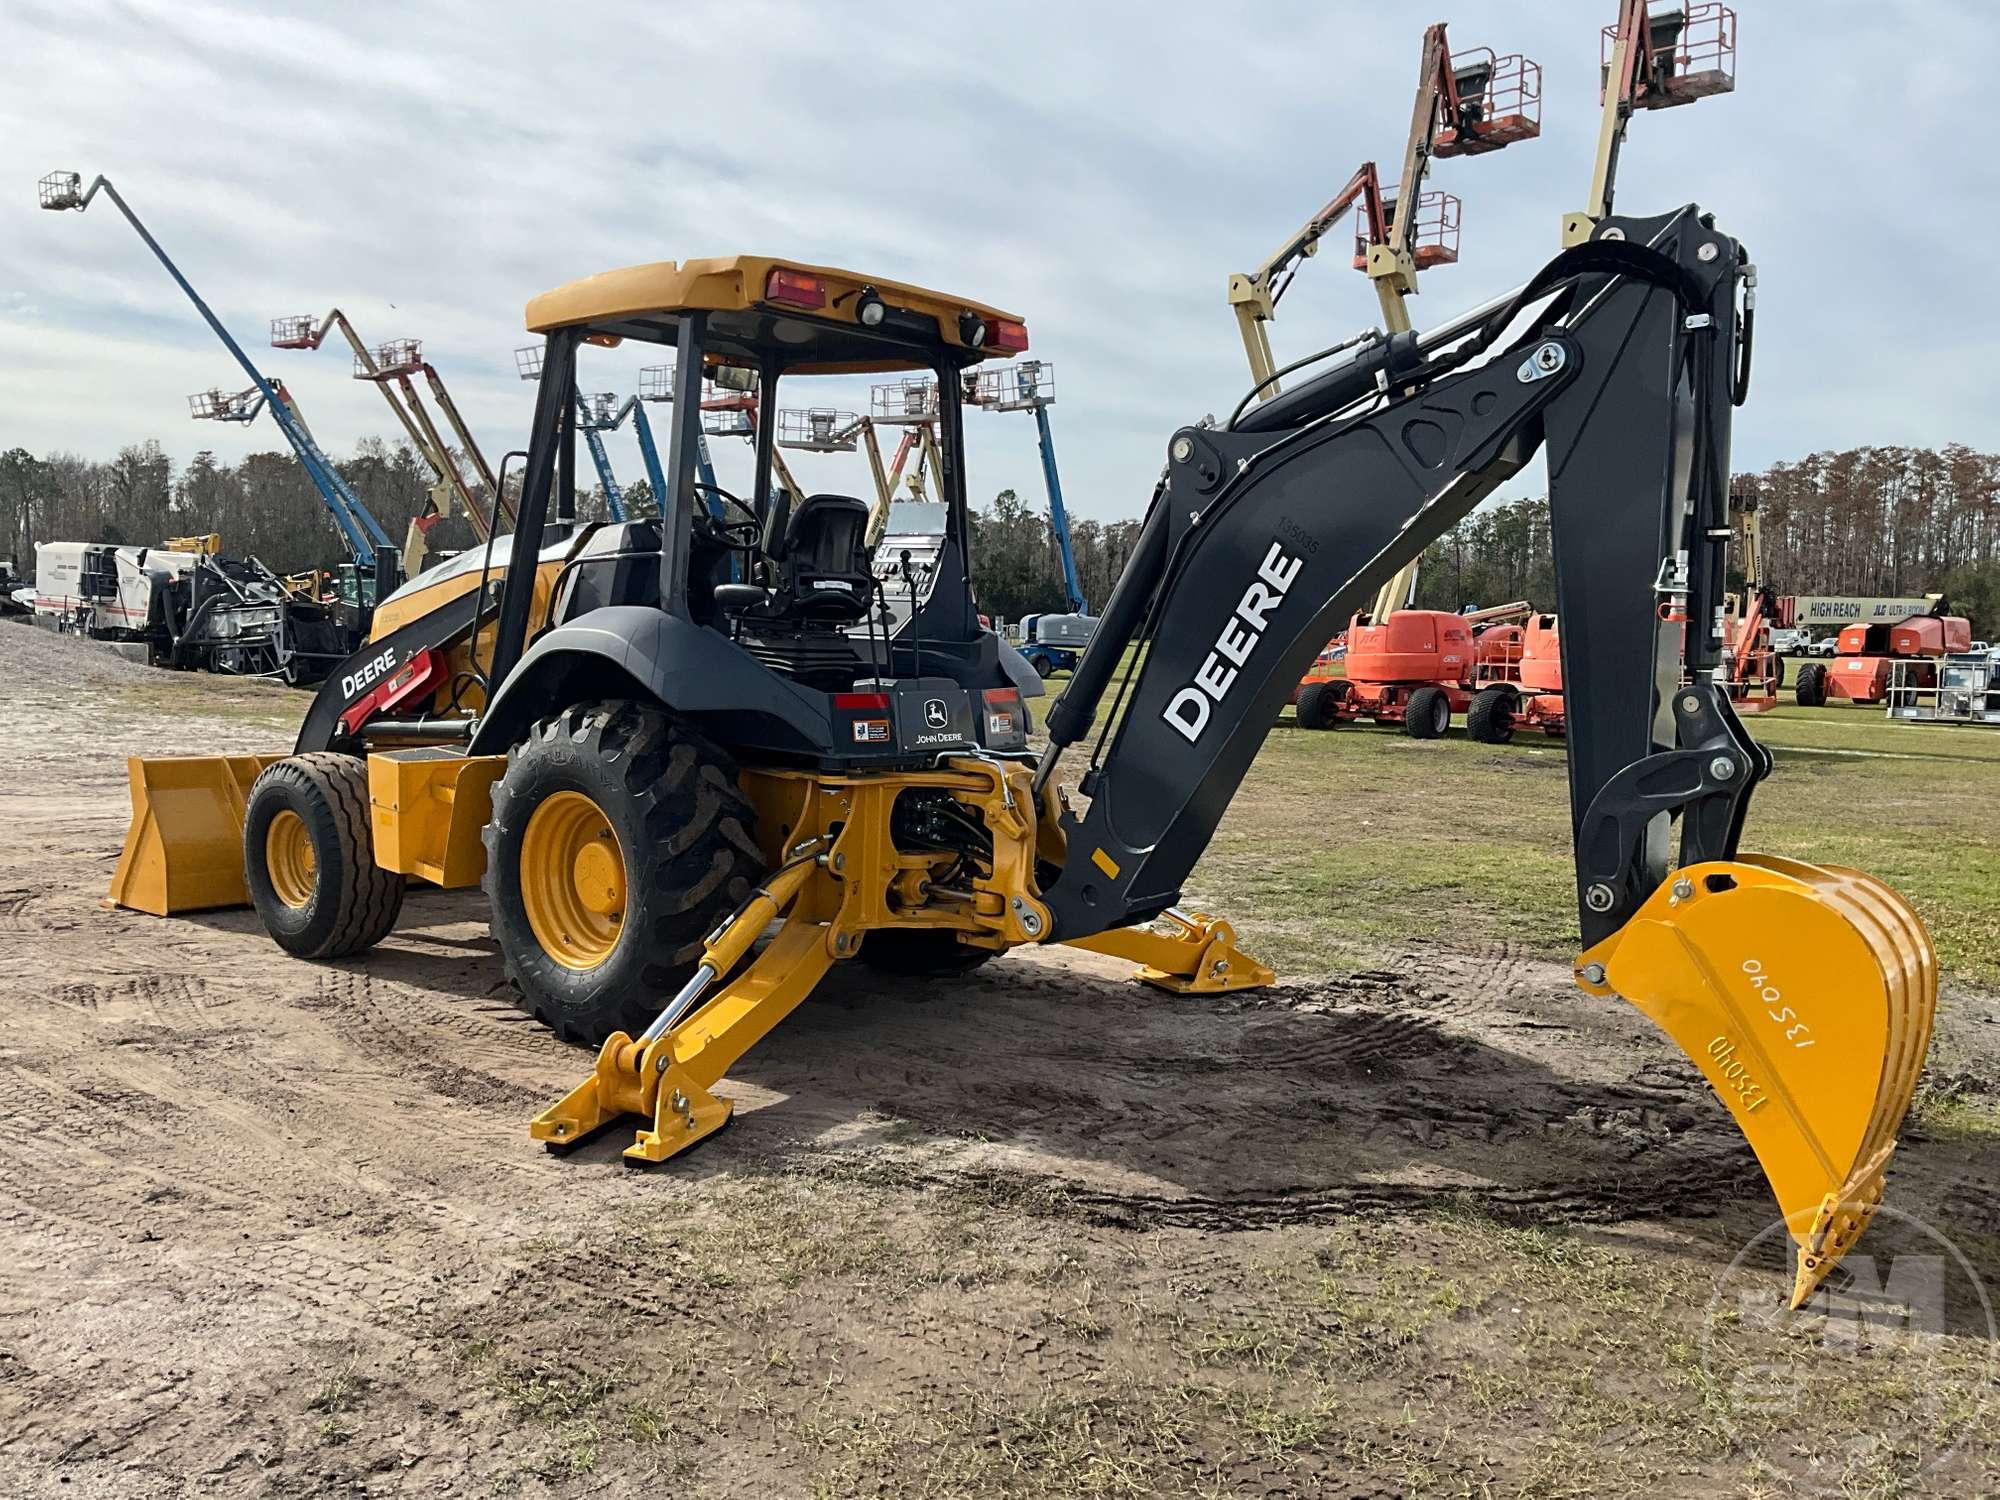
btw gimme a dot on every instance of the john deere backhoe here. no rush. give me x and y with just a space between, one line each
651 741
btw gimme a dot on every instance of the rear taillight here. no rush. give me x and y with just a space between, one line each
795 289
1008 338
860 700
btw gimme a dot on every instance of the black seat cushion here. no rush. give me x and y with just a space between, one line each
823 564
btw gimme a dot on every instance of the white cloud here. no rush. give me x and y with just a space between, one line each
1099 167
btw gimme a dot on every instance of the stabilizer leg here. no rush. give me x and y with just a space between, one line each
665 1076
1201 958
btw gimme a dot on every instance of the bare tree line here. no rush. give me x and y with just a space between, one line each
265 506
1877 522
1870 521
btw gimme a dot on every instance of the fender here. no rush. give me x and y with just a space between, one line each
690 667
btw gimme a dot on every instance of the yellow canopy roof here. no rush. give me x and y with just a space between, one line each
653 294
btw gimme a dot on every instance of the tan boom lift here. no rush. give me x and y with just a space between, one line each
1467 105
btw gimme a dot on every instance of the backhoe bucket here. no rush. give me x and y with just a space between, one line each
184 848
1805 995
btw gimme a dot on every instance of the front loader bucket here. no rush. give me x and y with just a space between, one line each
184 848
1805 995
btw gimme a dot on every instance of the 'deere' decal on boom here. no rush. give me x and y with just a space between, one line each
1190 708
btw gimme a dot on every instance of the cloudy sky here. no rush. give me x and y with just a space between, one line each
1099 167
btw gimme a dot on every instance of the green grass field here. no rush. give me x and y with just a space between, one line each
1458 842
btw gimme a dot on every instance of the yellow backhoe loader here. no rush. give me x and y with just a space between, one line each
649 741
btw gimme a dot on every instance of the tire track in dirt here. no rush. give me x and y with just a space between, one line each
462 1053
1302 1104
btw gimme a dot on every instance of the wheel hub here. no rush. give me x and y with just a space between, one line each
573 880
289 859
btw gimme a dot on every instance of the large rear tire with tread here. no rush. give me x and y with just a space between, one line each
1810 687
1490 717
1428 713
619 840
309 858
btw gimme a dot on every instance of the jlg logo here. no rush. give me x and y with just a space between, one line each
1189 710
1797 1032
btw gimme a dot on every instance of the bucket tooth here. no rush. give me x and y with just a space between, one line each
1805 994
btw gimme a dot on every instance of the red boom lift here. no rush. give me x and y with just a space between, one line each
1859 671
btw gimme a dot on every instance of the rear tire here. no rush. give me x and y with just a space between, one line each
637 844
309 858
1318 706
1490 718
1428 713
1810 688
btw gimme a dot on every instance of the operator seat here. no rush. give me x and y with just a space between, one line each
821 564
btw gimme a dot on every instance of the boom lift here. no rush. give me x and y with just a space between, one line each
368 545
1470 104
1051 641
397 362
673 763
827 429
1653 59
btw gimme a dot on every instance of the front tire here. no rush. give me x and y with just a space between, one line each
1428 713
619 840
1315 708
1810 686
309 858
1490 718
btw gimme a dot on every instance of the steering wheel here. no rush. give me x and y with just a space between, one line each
748 532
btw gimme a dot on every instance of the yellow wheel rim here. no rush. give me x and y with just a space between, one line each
573 881
289 859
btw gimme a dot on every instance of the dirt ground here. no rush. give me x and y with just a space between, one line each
1440 1225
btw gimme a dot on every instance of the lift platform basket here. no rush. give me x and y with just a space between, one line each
819 429
1433 237
222 406
1016 387
295 333
1693 55
1499 103
397 357
911 400
528 362
61 190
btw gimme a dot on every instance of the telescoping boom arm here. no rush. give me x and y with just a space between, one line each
358 527
1803 994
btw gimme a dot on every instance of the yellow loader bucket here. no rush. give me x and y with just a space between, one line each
1805 994
184 848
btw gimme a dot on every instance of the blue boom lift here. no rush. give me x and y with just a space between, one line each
375 560
1050 642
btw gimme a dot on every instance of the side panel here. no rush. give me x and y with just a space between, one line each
686 665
